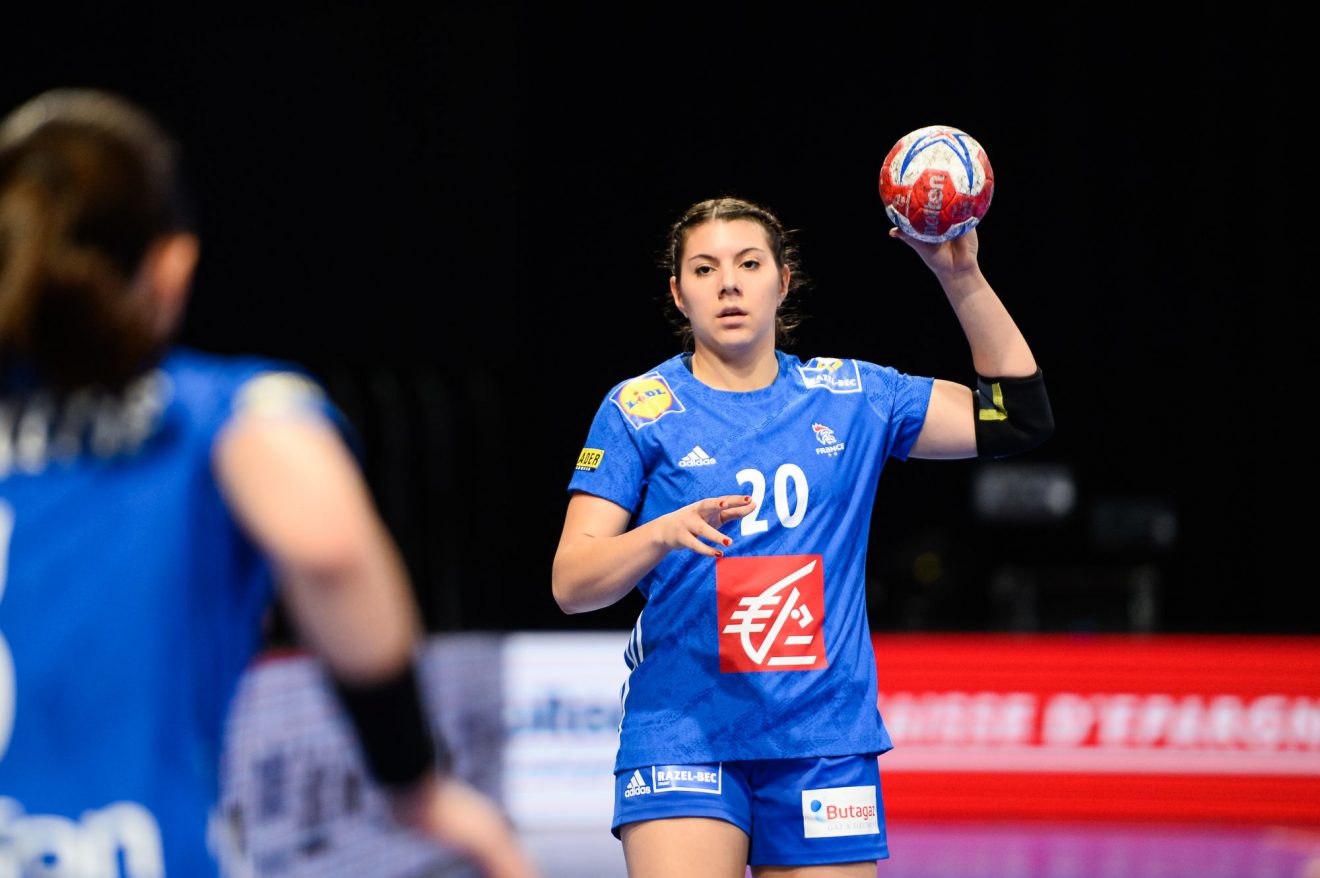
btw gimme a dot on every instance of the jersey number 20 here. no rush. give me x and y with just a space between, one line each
789 472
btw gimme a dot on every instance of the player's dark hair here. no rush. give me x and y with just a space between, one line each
782 246
88 182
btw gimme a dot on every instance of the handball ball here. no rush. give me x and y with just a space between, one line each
936 183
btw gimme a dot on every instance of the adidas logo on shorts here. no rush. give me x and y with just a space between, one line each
636 785
696 457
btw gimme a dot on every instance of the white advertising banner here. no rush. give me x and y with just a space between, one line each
561 715
294 799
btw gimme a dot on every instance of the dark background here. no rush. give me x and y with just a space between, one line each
453 217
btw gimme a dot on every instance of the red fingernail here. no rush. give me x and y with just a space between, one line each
747 499
721 504
719 554
728 542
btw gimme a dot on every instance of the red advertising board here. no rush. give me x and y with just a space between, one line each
1101 727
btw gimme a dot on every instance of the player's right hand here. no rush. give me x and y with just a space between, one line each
457 815
947 259
696 526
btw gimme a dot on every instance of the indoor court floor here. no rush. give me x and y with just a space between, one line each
1022 850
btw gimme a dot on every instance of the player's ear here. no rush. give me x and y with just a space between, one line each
784 275
677 294
167 271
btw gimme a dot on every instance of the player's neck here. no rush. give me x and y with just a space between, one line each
738 374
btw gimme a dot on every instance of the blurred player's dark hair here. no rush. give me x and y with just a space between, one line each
88 183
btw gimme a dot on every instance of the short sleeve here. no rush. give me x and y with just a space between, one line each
280 393
901 401
610 464
281 390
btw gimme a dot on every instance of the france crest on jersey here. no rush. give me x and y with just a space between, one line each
764 653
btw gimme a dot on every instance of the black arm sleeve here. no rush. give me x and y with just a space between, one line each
1013 415
394 733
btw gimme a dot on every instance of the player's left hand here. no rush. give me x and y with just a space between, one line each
947 259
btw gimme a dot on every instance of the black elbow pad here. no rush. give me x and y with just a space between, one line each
398 744
1012 415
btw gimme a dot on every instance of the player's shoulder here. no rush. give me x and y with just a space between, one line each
851 378
192 364
643 398
832 374
665 371
219 384
839 372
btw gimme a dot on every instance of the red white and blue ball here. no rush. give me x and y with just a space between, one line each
936 183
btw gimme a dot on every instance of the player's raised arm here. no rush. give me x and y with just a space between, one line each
1009 413
936 184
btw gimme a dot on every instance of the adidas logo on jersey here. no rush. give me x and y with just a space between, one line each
696 457
636 785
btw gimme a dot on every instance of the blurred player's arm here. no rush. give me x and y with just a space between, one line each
599 560
297 490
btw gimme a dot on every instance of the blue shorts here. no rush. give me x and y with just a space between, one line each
796 812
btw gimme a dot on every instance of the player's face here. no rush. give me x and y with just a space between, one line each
730 288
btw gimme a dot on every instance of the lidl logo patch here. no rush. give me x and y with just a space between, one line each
646 399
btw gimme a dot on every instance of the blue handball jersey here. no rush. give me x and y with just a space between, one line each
765 653
130 604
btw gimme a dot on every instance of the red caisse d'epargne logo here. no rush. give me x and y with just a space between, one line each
771 613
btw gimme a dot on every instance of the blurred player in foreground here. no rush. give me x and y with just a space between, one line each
152 500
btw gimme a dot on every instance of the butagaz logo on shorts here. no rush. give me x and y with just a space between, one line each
697 457
829 442
637 786
840 811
